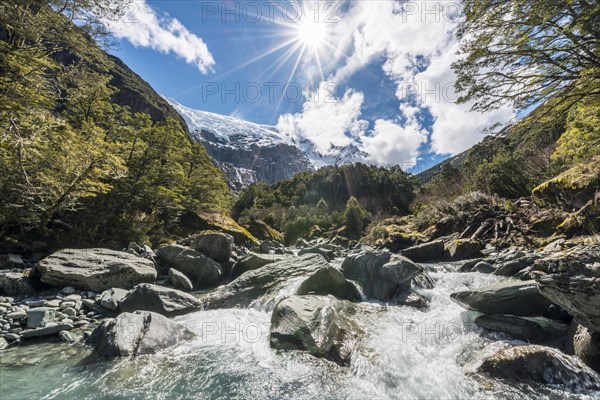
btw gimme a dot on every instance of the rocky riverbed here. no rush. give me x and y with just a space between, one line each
207 318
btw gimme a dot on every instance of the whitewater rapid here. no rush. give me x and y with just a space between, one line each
406 354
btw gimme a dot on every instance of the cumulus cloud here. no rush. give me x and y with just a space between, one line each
326 121
416 44
142 26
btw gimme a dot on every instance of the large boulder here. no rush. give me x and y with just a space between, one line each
215 245
111 298
200 269
320 325
538 364
326 252
458 250
255 261
427 252
15 284
329 281
136 334
263 283
263 231
380 273
512 267
535 330
514 297
159 299
586 345
575 288
95 269
180 281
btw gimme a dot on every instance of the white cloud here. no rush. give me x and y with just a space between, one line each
326 121
143 27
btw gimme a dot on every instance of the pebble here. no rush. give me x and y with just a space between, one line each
36 303
66 336
70 311
67 304
91 314
53 303
11 336
68 290
6 300
19 314
67 321
73 297
3 343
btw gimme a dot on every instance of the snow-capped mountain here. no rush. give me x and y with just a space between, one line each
249 153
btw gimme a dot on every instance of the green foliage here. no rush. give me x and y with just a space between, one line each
318 199
522 52
78 168
355 218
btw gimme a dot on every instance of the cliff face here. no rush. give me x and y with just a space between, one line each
246 163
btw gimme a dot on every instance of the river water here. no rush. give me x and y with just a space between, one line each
406 354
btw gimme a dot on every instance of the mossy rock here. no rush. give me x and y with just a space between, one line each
192 223
263 231
573 188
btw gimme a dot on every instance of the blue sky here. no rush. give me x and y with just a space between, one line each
375 74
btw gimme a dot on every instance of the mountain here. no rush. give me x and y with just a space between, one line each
251 153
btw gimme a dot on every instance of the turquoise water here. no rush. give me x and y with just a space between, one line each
407 354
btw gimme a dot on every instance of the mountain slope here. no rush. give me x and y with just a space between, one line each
246 152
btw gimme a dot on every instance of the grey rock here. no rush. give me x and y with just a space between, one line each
17 314
68 290
328 254
320 325
158 299
586 345
575 288
35 303
54 303
136 248
67 337
255 261
484 267
11 260
535 330
511 268
538 364
423 281
111 298
136 334
180 281
201 270
426 252
67 304
217 246
40 316
379 273
3 343
410 298
520 298
329 281
95 269
263 283
48 330
11 336
70 311
15 284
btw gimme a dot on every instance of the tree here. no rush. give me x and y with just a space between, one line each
522 52
355 218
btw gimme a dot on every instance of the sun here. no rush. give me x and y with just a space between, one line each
312 34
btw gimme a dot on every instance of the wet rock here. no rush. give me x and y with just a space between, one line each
410 298
255 261
136 334
40 317
66 337
48 330
263 283
520 298
201 270
322 326
469 266
575 288
158 299
379 273
545 365
180 281
329 281
15 284
217 246
484 267
535 330
423 281
95 269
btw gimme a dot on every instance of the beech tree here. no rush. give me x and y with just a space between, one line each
522 52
